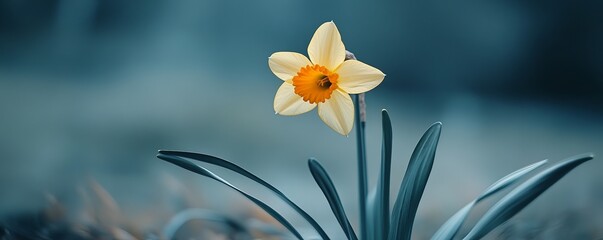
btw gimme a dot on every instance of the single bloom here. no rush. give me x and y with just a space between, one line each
325 80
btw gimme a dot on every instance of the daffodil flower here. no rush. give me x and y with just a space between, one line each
325 80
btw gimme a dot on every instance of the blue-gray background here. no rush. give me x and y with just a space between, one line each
90 89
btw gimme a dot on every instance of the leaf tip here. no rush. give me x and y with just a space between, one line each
384 113
437 127
166 152
583 157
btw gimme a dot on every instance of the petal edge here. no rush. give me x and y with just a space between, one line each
358 77
287 103
326 47
338 112
285 65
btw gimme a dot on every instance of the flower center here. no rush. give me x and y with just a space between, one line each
315 83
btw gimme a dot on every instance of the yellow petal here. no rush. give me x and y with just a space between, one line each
358 77
285 65
287 103
338 112
326 47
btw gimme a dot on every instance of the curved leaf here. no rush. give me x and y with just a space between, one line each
509 179
328 189
378 200
523 195
451 227
413 184
235 168
202 171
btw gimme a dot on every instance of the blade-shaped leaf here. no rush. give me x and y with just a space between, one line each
328 189
372 216
202 171
523 195
235 168
451 227
378 200
413 184
509 179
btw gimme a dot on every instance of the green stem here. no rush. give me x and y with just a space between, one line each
360 120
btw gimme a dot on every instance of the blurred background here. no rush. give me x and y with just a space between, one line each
91 89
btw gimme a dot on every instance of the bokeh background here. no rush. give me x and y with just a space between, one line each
91 89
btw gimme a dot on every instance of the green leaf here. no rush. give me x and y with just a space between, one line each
523 195
372 215
328 189
451 227
378 200
235 168
183 163
413 184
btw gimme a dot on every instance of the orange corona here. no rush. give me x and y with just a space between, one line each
315 83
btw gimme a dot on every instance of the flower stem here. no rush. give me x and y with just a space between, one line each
361 145
360 120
